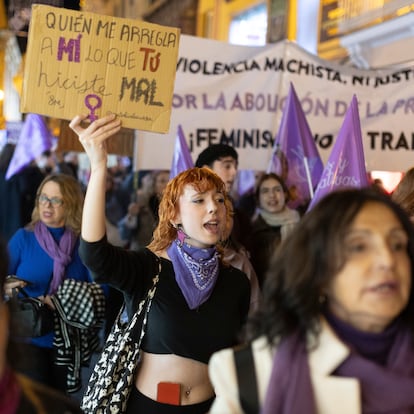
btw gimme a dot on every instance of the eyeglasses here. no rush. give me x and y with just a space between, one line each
55 201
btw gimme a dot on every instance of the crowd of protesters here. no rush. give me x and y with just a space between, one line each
257 226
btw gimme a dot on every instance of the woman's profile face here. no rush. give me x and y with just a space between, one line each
373 287
272 197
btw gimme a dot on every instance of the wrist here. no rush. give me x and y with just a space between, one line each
99 168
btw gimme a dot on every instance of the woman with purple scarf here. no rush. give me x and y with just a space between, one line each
200 303
43 254
335 330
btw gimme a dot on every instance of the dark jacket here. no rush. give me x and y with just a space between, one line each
265 239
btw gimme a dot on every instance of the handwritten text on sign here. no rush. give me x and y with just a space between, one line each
84 62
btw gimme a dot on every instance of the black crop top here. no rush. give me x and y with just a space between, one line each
173 328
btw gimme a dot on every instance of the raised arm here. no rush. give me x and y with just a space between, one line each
93 139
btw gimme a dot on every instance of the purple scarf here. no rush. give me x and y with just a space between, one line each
389 388
61 254
196 271
290 389
385 389
9 392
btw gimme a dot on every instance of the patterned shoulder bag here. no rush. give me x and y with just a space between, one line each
112 378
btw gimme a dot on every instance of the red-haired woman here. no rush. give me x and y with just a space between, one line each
200 303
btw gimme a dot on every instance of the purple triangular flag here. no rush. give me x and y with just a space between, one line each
295 156
246 180
182 157
34 139
346 164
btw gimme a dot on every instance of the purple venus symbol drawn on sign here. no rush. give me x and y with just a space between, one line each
93 102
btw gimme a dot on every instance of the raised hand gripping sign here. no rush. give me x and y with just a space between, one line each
85 62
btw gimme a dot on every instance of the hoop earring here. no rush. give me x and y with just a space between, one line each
181 235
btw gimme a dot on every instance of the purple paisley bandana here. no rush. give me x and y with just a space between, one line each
196 271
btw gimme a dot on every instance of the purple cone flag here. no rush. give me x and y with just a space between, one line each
295 155
182 158
346 164
246 180
34 139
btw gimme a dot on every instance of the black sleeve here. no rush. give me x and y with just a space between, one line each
126 270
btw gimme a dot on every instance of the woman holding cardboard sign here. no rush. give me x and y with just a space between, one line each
200 303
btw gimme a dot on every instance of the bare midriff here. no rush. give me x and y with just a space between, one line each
190 374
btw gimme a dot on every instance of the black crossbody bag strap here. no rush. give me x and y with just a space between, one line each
246 379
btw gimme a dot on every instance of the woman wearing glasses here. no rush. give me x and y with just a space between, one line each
43 254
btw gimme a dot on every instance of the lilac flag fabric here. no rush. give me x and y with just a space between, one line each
245 181
346 164
34 139
295 155
182 157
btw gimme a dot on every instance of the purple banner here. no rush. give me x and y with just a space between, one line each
295 156
35 138
182 157
346 164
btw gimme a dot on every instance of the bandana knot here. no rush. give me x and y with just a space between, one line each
196 271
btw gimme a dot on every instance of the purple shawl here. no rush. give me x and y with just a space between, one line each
290 389
384 389
389 388
60 253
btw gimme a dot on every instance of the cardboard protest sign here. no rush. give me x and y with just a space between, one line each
79 62
120 144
